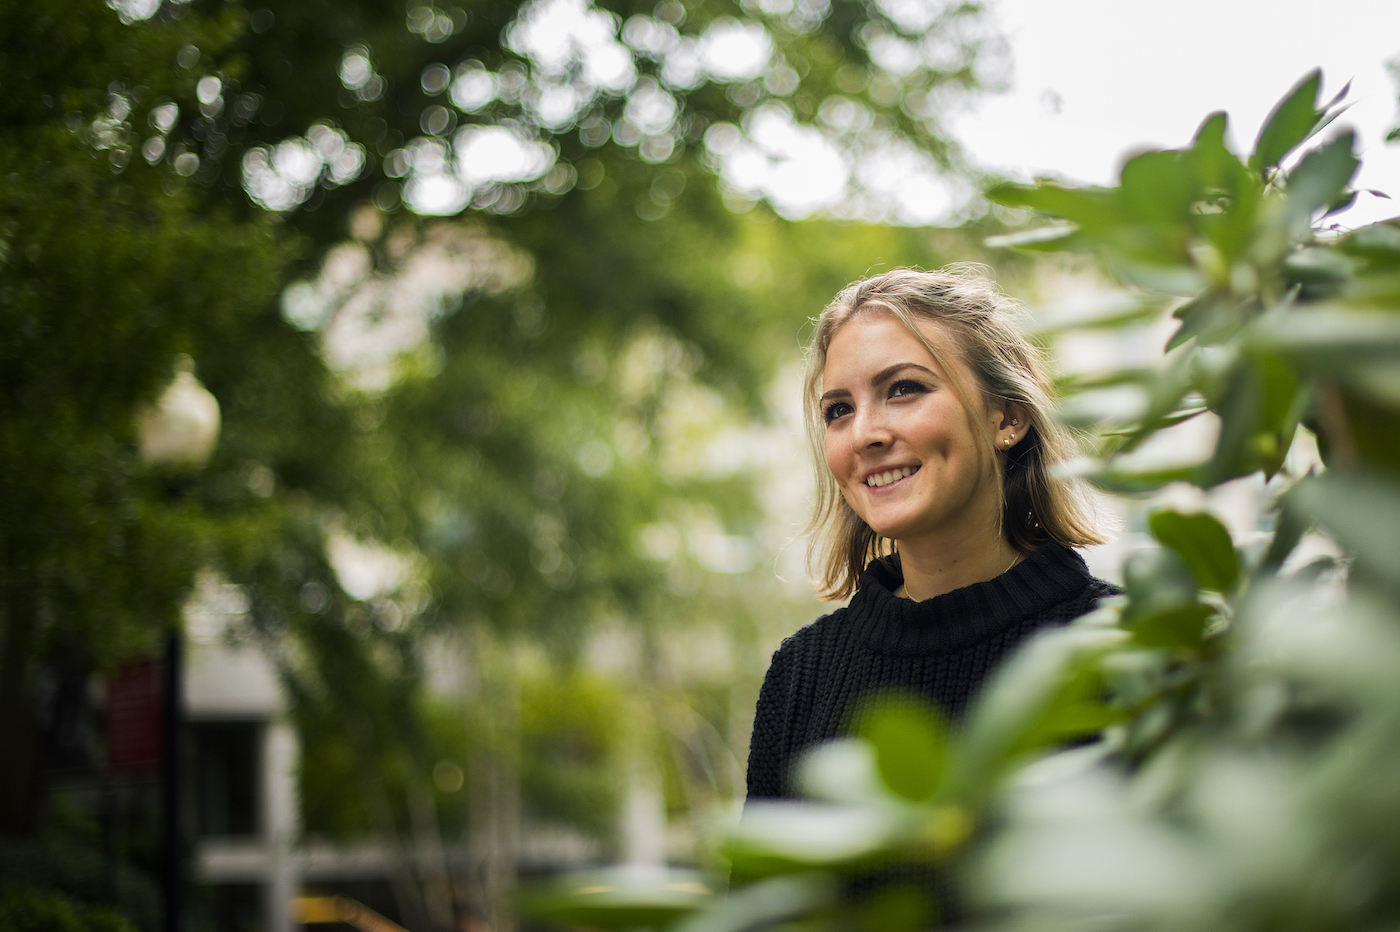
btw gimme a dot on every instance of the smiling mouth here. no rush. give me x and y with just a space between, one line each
889 476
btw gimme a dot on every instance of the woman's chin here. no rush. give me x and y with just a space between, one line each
895 530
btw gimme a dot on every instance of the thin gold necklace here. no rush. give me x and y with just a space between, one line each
905 588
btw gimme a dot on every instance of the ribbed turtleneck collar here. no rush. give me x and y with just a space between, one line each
963 617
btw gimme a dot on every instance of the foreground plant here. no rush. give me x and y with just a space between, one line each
1248 707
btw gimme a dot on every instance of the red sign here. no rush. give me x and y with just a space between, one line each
134 719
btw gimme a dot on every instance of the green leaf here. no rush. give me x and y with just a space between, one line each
1373 425
1318 265
844 772
1156 263
1159 188
1112 316
1171 385
1341 202
1338 97
1074 382
1038 694
1278 384
619 899
1076 709
1156 581
1329 331
1229 192
1041 237
1163 610
1320 177
1178 416
1330 114
1165 394
1376 242
1203 542
1182 626
1360 348
1378 380
1092 208
1210 135
1212 369
1129 481
1288 124
781 837
1071 718
898 909
1210 319
1288 531
762 904
910 743
1362 513
1256 420
1135 677
1215 165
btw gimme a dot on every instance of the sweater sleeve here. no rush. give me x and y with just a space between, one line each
767 754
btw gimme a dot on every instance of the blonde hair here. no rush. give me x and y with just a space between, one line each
1037 505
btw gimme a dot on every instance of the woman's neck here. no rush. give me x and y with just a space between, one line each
933 571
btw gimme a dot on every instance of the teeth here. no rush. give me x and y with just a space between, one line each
892 475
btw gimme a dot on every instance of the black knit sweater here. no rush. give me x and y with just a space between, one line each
942 649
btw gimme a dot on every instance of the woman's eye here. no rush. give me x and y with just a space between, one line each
833 411
906 388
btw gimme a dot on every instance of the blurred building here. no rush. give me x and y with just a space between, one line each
255 867
244 756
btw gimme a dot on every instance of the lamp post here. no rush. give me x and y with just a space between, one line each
179 431
181 428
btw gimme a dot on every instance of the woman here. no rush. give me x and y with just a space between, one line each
937 510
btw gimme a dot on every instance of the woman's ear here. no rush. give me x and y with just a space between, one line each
1014 424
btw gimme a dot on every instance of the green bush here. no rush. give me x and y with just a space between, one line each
41 911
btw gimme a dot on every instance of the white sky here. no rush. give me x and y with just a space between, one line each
1130 74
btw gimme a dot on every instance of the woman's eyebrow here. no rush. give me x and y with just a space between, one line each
884 375
887 373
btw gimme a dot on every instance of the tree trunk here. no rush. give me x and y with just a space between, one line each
644 817
408 896
21 778
432 861
493 846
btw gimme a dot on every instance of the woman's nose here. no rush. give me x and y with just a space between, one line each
871 428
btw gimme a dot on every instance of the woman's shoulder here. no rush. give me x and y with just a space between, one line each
1094 587
805 637
1082 602
1102 588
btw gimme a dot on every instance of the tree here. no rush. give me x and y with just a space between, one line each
257 188
96 549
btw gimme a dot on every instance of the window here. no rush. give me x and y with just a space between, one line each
227 763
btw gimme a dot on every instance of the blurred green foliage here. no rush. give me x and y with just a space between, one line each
556 407
96 301
23 911
1244 696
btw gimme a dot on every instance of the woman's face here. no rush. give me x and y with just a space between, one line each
899 440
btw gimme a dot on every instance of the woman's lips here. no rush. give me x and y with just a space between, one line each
887 477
